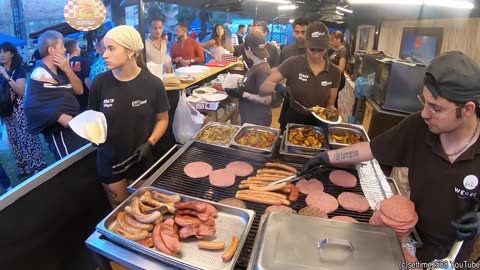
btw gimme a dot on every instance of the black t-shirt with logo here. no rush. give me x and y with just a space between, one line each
130 109
437 186
251 112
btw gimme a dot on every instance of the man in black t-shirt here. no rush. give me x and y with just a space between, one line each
440 146
241 33
81 66
299 28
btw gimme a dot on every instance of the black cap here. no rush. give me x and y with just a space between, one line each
317 36
257 43
453 76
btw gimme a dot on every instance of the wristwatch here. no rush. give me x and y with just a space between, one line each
191 61
10 79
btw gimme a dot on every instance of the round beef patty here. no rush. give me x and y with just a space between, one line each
306 186
198 169
222 178
240 168
354 202
345 218
233 202
322 201
343 179
279 209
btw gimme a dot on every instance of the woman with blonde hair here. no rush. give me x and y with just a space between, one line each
135 105
218 43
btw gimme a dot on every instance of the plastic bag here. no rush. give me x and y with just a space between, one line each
187 120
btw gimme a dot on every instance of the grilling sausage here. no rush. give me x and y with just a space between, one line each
148 199
257 199
164 198
127 227
269 188
158 242
134 223
264 193
211 245
228 254
294 193
134 210
281 166
169 233
135 237
273 171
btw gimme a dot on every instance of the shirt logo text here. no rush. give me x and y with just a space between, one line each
302 77
108 103
138 103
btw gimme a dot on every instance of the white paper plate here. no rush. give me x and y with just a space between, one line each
79 122
204 91
203 68
339 120
215 97
194 99
188 70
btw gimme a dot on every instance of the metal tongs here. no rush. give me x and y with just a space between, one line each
126 164
300 175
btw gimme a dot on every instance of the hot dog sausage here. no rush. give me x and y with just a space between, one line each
273 171
135 237
294 192
264 193
269 188
127 227
258 199
134 223
164 198
211 245
147 198
135 212
281 166
228 254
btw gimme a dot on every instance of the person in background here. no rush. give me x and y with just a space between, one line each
440 146
262 28
254 108
299 26
157 43
311 79
241 33
339 57
230 34
26 147
81 66
249 29
135 105
99 66
50 101
218 43
185 51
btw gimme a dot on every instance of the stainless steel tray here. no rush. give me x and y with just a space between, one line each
215 124
291 157
308 150
230 221
341 129
247 127
289 241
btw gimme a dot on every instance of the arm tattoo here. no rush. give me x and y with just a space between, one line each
340 155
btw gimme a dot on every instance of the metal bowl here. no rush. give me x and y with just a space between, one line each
249 127
342 129
308 150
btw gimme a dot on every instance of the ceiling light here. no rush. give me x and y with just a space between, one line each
465 4
344 9
287 7
274 1
291 20
339 13
339 22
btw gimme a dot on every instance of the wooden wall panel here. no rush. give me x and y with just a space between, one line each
458 34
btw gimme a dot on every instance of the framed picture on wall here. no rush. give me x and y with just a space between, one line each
421 44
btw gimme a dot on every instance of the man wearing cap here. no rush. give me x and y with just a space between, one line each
260 27
311 79
440 147
254 108
299 26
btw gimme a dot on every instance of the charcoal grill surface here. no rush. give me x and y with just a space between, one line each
174 179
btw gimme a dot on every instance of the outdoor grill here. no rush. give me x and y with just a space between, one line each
174 179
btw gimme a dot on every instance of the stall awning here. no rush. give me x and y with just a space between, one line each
15 41
63 28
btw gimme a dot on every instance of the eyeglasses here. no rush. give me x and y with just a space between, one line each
317 50
433 111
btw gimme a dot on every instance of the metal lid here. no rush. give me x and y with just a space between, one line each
290 241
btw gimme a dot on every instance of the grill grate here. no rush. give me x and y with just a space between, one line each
174 179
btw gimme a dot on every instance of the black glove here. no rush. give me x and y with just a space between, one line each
320 159
282 90
145 152
235 92
468 226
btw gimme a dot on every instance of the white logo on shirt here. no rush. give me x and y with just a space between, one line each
108 103
325 83
138 103
302 77
470 182
317 34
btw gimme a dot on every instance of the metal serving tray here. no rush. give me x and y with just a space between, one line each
307 150
215 124
290 241
247 127
230 221
291 157
340 129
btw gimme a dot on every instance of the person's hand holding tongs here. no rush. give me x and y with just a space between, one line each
142 153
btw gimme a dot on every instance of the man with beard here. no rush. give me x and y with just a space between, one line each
156 44
440 147
299 27
186 50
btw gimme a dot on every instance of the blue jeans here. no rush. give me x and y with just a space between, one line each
4 180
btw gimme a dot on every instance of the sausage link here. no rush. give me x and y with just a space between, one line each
228 254
211 245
